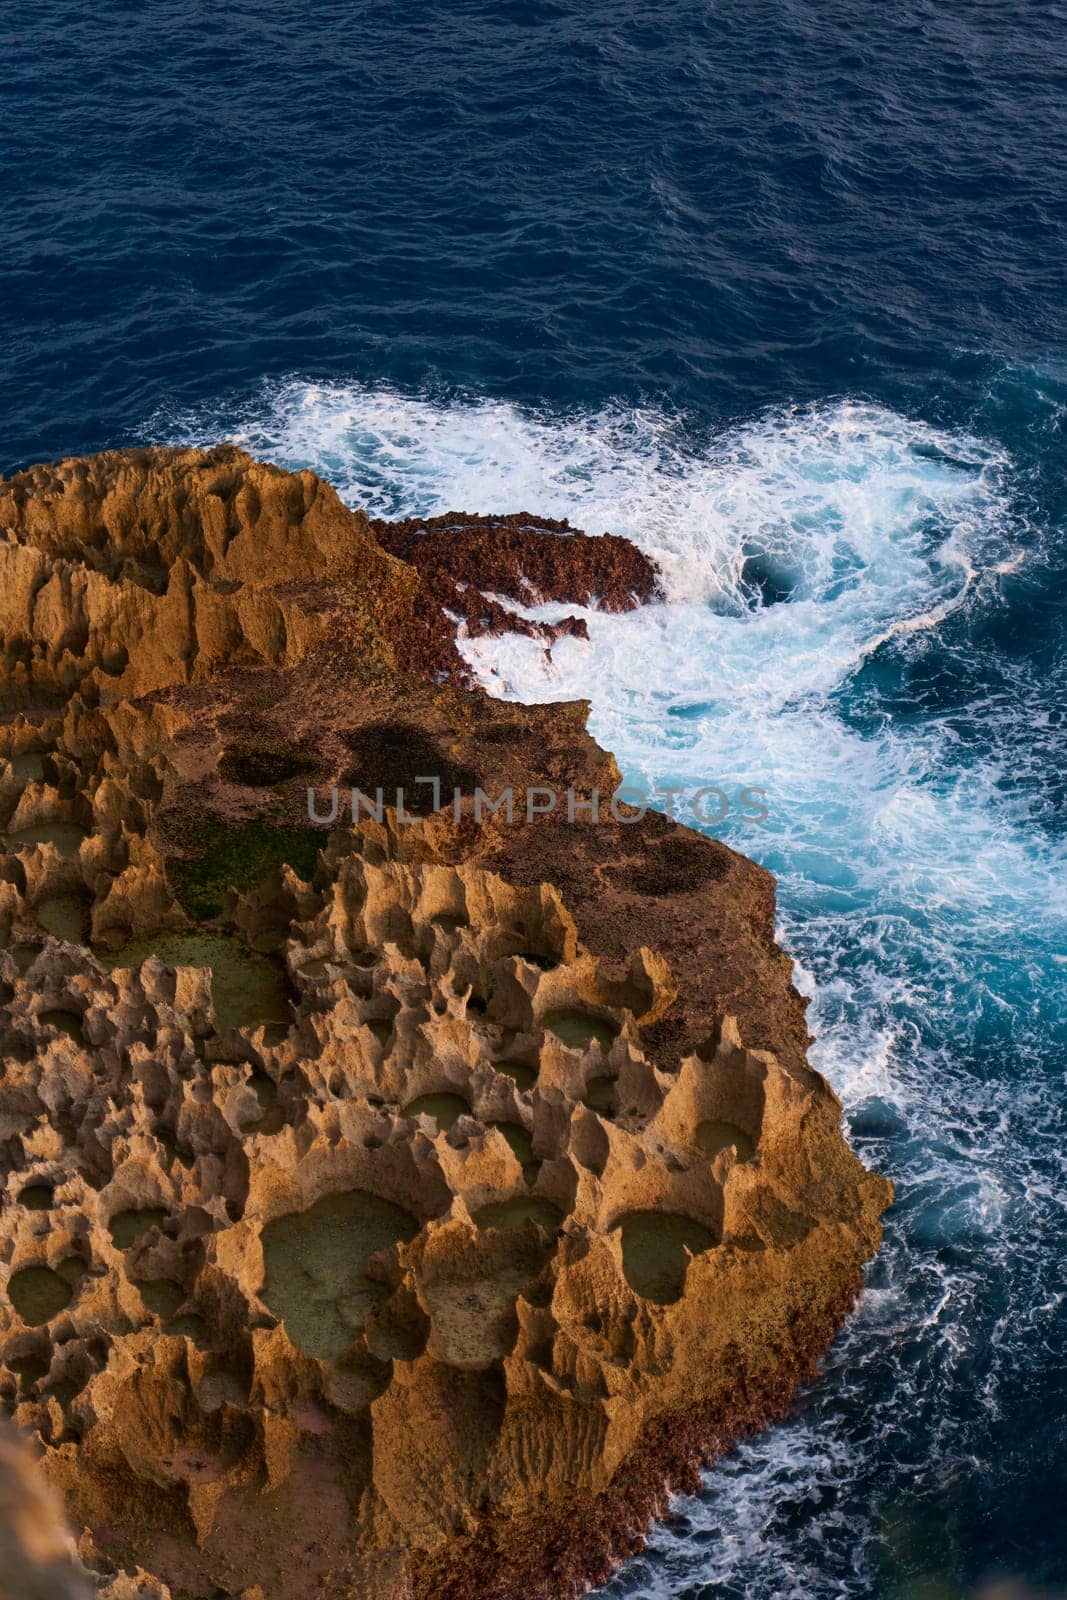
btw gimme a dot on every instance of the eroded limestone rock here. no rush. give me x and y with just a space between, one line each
378 1219
249 1267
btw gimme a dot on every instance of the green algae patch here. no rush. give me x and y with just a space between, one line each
28 768
445 1108
580 1029
68 1022
66 836
599 1094
715 1135
654 1258
506 1215
162 1296
24 955
265 1089
521 1073
128 1226
316 1278
246 988
64 916
239 856
38 1294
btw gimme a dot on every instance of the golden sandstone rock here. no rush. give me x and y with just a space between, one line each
388 1211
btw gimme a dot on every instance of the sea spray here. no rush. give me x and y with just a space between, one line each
814 561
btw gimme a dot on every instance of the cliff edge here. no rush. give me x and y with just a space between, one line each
393 1207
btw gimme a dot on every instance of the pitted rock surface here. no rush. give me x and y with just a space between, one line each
379 1218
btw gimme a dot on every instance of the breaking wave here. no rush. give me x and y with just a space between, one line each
834 581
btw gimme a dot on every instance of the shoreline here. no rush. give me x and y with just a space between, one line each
602 1533
362 1010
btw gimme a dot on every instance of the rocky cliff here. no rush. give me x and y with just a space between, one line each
388 1210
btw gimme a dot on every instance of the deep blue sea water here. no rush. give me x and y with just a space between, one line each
776 289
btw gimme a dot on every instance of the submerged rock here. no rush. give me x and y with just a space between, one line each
389 1210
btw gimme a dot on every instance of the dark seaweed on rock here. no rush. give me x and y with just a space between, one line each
466 562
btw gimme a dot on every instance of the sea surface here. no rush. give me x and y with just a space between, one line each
776 289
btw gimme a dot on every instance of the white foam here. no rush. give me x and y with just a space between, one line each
920 907
881 525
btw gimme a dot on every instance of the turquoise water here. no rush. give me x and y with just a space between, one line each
778 291
901 712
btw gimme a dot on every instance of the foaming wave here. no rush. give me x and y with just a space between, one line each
816 495
755 1518
926 917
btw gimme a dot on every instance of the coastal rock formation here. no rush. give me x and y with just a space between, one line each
389 1209
132 571
467 562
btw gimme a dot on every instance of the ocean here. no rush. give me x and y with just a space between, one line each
777 290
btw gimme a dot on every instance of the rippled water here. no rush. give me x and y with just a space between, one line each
902 708
777 290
